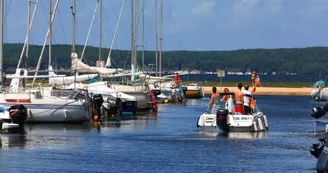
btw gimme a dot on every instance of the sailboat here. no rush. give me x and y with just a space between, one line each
139 90
44 104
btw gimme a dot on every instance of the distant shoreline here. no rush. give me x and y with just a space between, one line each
269 90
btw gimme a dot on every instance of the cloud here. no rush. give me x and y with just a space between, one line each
204 8
256 12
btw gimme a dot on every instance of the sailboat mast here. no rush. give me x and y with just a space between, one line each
50 30
73 23
156 46
100 28
143 35
136 21
161 39
28 32
1 38
132 39
73 34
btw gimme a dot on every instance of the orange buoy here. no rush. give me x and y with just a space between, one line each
95 118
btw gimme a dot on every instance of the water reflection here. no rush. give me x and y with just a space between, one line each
13 140
131 124
236 135
319 126
50 128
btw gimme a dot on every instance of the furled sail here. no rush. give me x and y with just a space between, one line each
79 66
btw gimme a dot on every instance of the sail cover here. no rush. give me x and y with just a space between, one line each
79 66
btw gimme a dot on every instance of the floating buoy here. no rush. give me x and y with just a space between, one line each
95 118
166 101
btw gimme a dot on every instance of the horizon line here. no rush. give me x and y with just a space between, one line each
189 50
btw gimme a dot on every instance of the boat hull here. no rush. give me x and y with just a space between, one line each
143 100
37 113
234 123
194 94
129 107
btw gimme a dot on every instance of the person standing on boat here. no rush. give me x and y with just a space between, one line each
239 98
254 75
214 101
225 97
247 100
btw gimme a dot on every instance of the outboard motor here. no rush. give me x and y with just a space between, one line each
98 101
114 108
322 163
318 112
221 120
156 92
18 114
317 148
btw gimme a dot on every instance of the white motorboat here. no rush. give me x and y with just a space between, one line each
227 120
110 95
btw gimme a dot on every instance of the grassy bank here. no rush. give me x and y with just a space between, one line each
265 84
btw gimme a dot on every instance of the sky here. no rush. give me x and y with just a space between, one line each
187 24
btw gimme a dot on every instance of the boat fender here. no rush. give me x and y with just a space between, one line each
65 113
30 114
259 120
265 119
255 126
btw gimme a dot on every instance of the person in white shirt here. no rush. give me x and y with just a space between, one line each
247 99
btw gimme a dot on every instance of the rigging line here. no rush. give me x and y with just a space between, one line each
148 26
45 12
62 27
89 31
108 61
5 20
107 20
175 30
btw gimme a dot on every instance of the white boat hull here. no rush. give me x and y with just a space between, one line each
52 110
236 123
57 114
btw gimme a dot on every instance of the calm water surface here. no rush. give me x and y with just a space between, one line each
168 142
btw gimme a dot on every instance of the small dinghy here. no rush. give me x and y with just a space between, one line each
13 117
227 120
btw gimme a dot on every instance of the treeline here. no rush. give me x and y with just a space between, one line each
311 60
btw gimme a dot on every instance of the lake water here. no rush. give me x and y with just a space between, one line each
168 142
